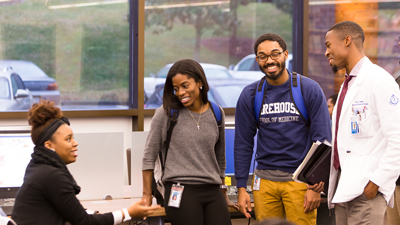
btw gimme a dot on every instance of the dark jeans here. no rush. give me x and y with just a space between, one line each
200 205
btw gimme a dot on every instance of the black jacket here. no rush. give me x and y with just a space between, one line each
47 197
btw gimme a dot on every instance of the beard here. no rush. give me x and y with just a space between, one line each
335 69
276 75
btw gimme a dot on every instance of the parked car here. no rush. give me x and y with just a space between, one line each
37 81
248 68
224 92
212 71
14 95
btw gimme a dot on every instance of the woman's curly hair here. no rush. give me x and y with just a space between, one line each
40 115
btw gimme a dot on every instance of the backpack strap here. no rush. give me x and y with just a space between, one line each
259 98
173 117
297 96
217 113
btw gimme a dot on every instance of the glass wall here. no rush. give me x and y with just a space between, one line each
218 34
73 52
381 23
76 52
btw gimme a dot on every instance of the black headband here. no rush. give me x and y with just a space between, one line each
50 130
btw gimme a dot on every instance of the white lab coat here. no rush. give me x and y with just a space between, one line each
374 152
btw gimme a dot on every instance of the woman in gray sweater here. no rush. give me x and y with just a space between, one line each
195 164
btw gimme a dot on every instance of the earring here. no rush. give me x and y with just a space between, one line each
201 87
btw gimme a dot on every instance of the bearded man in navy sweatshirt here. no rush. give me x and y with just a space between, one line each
284 138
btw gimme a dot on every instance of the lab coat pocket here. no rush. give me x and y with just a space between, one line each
353 177
364 128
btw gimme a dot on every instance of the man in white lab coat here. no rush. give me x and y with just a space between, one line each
366 131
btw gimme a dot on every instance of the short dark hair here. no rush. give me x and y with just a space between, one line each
334 98
270 37
349 28
191 69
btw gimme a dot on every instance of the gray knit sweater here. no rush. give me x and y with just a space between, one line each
195 156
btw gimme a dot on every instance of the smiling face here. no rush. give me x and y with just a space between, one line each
273 68
335 50
64 144
188 91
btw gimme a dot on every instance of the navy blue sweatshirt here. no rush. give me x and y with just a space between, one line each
283 137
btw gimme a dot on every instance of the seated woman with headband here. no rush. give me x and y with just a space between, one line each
47 195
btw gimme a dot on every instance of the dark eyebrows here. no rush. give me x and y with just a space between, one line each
183 83
273 50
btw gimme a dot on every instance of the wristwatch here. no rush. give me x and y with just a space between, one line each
223 186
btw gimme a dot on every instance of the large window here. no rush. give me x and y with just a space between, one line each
217 34
77 52
73 52
381 23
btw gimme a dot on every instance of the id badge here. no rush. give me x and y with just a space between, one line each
256 184
176 195
354 125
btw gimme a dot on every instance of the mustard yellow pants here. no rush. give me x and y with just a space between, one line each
282 200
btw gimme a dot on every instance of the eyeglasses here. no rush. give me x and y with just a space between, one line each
274 56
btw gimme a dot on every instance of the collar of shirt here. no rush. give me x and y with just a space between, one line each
356 69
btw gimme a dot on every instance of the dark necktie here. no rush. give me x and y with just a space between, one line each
336 162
